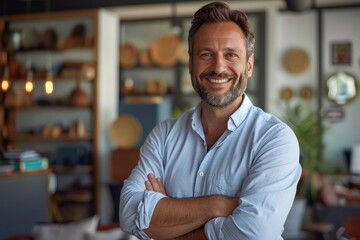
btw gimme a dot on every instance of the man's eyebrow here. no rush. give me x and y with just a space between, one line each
205 49
233 49
224 49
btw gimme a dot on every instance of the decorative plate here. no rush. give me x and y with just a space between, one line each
306 92
286 93
163 50
125 131
128 55
296 60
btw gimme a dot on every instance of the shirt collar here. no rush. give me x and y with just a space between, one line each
240 114
235 119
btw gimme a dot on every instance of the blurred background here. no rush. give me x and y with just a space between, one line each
84 82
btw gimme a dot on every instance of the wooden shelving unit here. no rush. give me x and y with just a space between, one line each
20 125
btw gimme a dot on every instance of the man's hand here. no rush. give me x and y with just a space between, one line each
154 184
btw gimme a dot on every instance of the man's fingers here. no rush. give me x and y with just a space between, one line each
161 186
154 184
148 186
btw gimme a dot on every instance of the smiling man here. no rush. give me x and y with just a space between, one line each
224 169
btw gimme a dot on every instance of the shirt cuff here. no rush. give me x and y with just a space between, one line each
146 210
213 228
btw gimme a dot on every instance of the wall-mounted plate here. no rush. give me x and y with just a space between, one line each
125 131
296 60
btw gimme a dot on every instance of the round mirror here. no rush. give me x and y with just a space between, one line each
341 88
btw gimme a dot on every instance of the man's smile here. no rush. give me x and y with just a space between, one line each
216 80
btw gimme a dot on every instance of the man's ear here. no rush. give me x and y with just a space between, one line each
250 65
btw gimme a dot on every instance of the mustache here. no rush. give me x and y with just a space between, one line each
216 75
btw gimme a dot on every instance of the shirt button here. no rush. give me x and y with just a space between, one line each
201 174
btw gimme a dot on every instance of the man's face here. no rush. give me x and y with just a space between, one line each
218 67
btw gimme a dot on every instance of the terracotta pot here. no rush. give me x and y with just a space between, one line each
49 39
78 98
27 100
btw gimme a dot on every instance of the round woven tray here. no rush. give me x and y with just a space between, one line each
163 50
125 131
296 60
128 55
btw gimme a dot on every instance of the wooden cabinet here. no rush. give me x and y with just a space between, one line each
24 202
69 126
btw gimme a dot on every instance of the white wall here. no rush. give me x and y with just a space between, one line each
294 30
342 25
108 103
301 30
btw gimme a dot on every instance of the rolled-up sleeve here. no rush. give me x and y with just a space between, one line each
136 209
136 203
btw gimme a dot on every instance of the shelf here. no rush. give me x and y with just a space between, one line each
143 99
136 67
46 107
80 196
24 173
43 50
55 79
71 169
37 137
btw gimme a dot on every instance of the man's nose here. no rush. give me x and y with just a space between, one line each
219 64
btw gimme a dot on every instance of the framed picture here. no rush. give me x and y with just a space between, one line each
341 53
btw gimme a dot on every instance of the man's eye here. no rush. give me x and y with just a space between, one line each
231 55
205 55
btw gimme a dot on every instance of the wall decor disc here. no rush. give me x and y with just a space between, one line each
128 55
306 92
163 50
296 60
125 131
286 93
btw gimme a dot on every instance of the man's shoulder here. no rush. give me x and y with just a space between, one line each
268 121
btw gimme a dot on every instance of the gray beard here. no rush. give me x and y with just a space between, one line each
220 102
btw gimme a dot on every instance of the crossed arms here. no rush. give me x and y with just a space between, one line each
185 218
262 190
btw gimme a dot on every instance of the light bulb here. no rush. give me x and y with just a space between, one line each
5 84
49 86
29 86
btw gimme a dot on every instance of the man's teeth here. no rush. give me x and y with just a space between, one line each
218 80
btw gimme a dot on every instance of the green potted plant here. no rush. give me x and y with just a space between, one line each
309 129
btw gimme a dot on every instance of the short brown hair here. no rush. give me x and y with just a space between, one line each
220 12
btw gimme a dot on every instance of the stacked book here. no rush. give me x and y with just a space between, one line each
25 160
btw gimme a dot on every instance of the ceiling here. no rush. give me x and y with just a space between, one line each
11 7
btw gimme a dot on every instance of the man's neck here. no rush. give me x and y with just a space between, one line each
214 120
213 114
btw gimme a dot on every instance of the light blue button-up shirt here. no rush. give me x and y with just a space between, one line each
256 159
